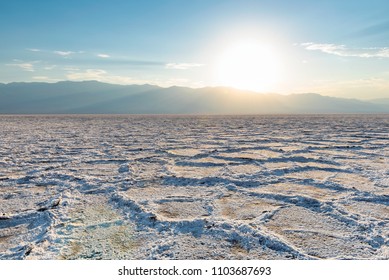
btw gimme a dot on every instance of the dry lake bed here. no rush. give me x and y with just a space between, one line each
194 187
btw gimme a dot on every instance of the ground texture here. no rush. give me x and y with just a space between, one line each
199 187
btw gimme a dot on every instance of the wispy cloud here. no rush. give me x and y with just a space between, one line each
103 55
26 66
71 69
103 76
23 66
45 79
41 78
182 66
326 48
89 74
88 58
33 50
342 50
49 67
64 53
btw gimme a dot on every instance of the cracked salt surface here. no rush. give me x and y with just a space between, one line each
194 187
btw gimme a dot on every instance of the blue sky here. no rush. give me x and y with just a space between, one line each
338 48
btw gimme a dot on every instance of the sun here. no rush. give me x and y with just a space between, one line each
250 66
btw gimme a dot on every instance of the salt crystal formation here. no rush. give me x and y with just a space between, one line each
194 187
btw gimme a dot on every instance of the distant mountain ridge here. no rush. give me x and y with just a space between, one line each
380 101
92 97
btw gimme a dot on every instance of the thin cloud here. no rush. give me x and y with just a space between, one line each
342 50
45 79
103 76
64 53
32 66
89 74
33 50
42 78
25 66
103 55
57 52
49 67
182 66
326 48
103 58
71 69
108 60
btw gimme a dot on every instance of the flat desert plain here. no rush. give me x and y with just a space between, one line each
194 187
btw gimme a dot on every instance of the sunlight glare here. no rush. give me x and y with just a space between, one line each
249 66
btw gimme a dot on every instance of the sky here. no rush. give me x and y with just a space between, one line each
335 48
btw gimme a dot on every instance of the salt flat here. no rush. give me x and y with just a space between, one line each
194 187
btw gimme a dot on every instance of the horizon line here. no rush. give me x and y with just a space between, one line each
187 87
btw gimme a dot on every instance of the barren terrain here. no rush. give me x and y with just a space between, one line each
194 187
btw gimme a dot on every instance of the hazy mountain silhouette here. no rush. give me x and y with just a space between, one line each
380 101
93 97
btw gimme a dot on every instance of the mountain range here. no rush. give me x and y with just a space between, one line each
92 97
